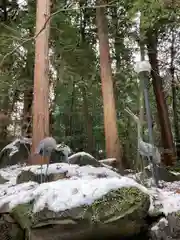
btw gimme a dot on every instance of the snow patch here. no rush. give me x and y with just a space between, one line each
142 66
168 201
84 185
64 194
67 194
81 154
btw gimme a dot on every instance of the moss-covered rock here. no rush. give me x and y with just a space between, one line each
2 180
26 176
163 173
167 227
9 229
123 209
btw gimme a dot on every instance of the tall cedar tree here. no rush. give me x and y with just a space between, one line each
113 145
41 81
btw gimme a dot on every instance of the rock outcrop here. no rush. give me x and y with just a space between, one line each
99 202
85 202
111 213
18 152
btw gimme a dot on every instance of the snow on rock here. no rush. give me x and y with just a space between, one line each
156 226
64 148
14 145
68 194
83 187
166 199
10 173
73 170
17 194
80 154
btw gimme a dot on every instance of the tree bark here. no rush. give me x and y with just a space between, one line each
89 123
27 113
113 145
69 115
28 92
168 156
41 81
88 117
174 97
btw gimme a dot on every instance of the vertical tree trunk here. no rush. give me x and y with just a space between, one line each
28 92
4 120
88 117
27 113
174 97
166 134
89 123
41 81
69 114
117 48
113 146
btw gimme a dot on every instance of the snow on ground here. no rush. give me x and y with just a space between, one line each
167 197
84 185
168 201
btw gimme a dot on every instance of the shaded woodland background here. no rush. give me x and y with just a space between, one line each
136 29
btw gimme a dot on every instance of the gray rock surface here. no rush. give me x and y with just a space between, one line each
119 212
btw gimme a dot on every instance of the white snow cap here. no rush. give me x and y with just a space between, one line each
142 66
83 186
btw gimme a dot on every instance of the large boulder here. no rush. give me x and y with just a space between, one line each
15 152
61 153
28 176
167 227
9 229
83 158
85 202
59 171
120 212
160 230
163 173
18 152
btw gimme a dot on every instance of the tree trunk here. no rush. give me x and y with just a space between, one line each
166 134
117 48
5 116
41 81
28 92
113 146
69 115
27 113
89 124
174 97
88 117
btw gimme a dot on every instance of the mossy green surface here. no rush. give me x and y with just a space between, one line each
23 214
125 208
117 204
